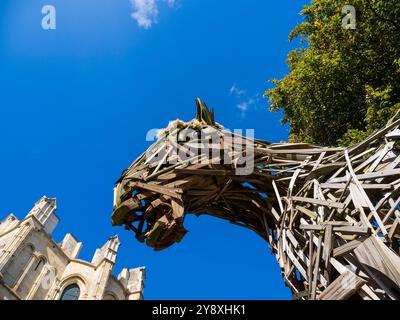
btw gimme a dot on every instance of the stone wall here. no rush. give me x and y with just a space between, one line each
34 267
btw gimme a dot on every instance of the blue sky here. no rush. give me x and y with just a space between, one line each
76 103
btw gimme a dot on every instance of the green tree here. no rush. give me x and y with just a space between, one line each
343 83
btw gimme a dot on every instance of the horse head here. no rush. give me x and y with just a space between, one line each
306 201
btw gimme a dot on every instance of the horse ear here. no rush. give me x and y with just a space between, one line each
204 114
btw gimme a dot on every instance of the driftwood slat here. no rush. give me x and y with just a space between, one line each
343 287
321 210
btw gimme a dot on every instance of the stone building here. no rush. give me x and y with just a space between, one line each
34 267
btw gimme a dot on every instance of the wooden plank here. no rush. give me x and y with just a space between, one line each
357 197
158 189
394 228
275 214
352 230
316 269
297 263
292 238
278 197
312 227
307 212
328 244
392 209
177 209
209 172
310 262
379 261
369 176
342 229
320 202
343 287
365 186
365 196
346 248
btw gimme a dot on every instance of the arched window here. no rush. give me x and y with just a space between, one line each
31 276
72 292
17 265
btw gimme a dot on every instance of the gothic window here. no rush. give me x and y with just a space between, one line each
72 292
17 266
31 277
39 265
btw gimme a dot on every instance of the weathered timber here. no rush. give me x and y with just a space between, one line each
330 215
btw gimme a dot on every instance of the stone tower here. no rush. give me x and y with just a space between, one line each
34 267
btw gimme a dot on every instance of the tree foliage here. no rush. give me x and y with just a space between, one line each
343 83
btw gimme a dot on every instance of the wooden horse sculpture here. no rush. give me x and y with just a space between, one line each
331 216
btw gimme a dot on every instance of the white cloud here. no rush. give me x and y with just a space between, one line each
236 91
244 102
146 11
245 105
